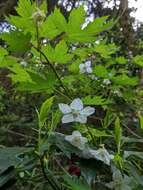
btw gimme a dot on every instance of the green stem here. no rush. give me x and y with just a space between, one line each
54 71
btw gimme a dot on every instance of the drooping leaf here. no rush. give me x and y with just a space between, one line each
17 41
39 83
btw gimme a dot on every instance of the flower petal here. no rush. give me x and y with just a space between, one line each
81 118
76 133
82 68
65 108
89 70
76 104
87 111
88 63
67 118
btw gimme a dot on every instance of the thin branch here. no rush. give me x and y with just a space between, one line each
54 70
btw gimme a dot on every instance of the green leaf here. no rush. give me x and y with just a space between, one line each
77 15
24 20
118 133
138 60
25 8
98 25
141 120
121 60
101 71
44 110
59 54
54 25
9 156
76 184
104 50
19 74
124 80
17 41
38 83
3 52
97 100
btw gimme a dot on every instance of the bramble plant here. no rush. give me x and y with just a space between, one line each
86 136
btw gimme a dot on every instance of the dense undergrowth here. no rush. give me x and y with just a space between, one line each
72 118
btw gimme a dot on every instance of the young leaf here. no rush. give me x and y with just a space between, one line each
44 110
141 120
118 134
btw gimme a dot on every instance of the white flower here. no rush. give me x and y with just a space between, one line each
102 154
85 67
93 77
106 82
75 111
23 63
76 140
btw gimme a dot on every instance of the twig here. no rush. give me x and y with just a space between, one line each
52 183
54 70
16 133
132 132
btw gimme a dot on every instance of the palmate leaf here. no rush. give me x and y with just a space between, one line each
3 52
39 83
17 41
88 34
101 71
72 31
19 74
8 61
138 60
54 25
97 100
59 54
104 50
25 8
75 21
24 20
124 80
31 81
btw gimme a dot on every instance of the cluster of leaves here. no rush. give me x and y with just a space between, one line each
43 54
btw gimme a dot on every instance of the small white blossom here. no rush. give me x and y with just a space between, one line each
102 154
93 77
76 140
85 67
23 63
75 111
39 15
106 82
